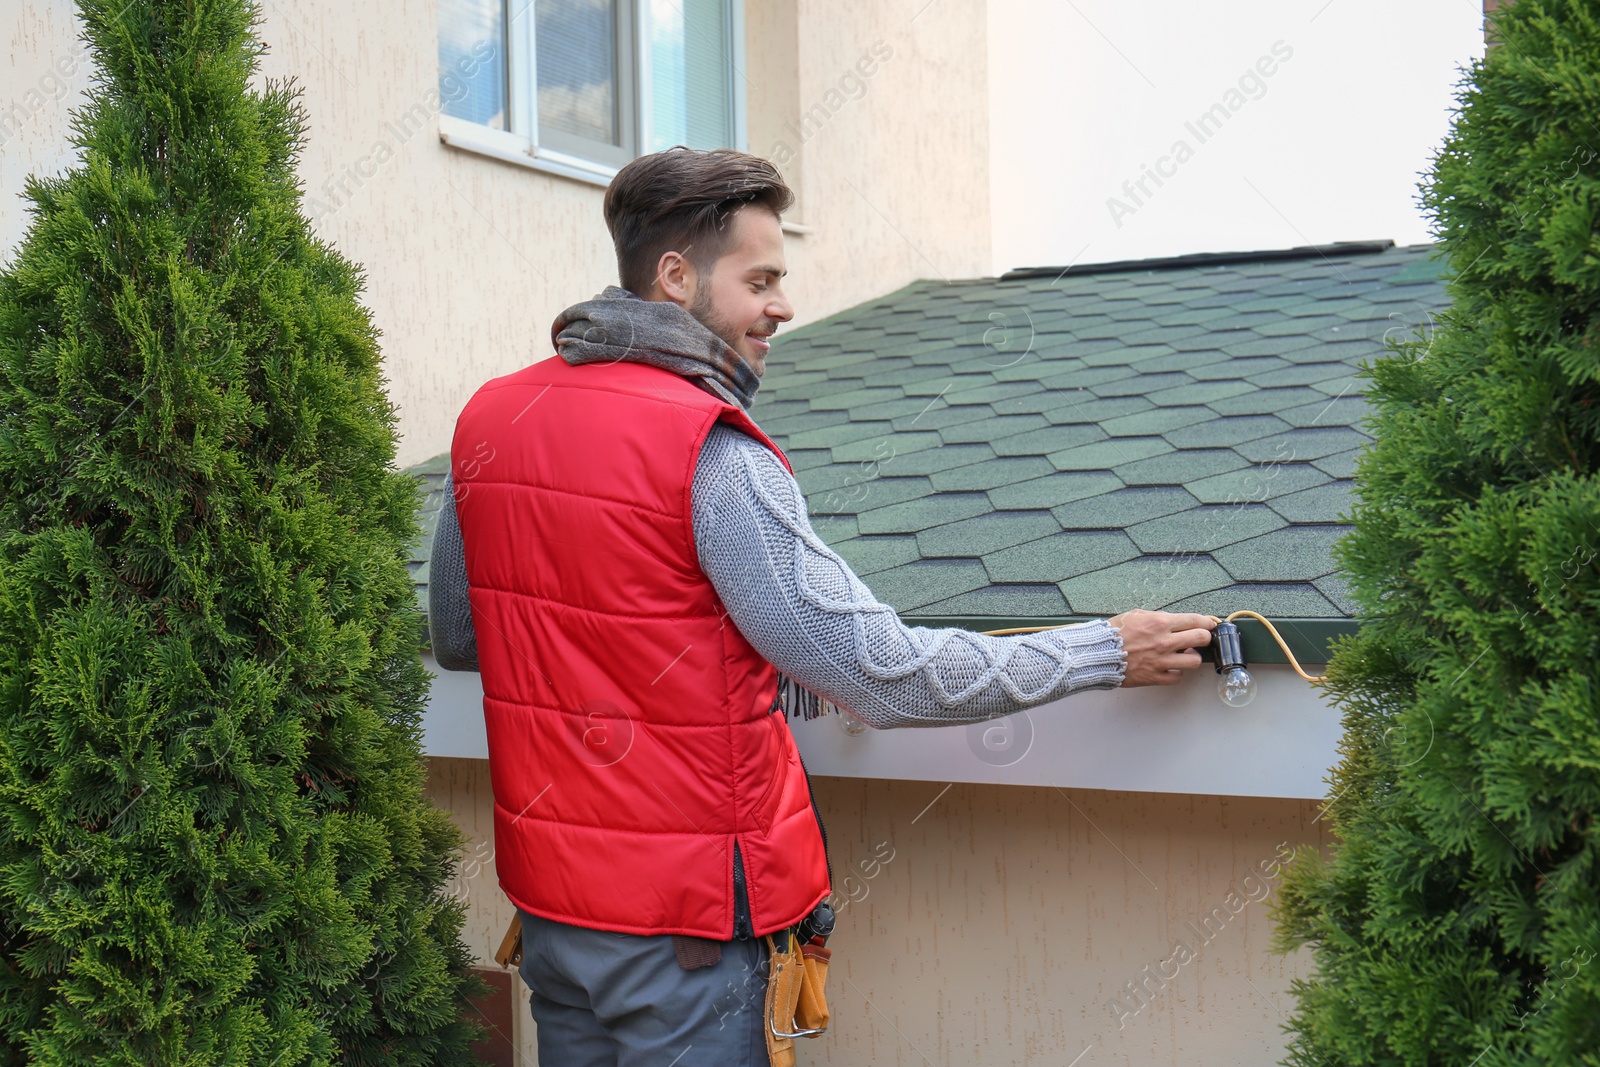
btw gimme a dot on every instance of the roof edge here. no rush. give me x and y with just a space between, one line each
1309 639
1202 259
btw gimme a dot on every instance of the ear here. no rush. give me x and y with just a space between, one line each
675 277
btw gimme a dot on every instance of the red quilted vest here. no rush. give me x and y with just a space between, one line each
642 781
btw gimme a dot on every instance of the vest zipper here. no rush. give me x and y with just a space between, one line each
818 813
815 810
742 930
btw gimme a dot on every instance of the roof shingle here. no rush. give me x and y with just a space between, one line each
1203 420
1177 435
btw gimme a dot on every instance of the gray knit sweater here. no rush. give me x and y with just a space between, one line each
810 616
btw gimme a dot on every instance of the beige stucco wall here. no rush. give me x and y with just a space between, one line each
1010 917
468 259
997 924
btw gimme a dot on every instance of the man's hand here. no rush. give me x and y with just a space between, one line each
1161 645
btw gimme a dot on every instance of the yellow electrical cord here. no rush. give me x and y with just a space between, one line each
1262 619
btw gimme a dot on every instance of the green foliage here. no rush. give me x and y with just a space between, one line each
214 843
1459 919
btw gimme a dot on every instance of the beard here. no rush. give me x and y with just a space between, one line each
701 308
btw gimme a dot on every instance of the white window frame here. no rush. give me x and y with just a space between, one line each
520 144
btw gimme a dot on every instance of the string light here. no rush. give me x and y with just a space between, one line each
1236 687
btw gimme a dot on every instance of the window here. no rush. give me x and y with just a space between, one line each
583 86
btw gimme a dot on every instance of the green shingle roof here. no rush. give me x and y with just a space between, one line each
432 474
1175 434
1168 434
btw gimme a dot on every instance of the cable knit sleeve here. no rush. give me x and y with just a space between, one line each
455 644
809 615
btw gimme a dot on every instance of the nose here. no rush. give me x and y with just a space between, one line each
780 309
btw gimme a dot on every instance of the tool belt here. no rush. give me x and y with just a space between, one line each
796 1003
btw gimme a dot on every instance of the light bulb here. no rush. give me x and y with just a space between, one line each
1236 687
849 723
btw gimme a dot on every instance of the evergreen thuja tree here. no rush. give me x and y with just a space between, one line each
1458 919
214 842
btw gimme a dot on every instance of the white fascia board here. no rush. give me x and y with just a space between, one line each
1158 739
452 719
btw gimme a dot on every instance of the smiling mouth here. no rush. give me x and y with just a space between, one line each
762 342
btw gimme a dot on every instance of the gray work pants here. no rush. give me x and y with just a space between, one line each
605 999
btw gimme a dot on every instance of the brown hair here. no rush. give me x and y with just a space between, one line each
679 200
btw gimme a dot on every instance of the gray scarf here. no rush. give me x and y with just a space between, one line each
618 326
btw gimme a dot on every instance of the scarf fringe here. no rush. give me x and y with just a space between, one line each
798 702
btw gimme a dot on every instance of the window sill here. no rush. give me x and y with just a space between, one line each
509 148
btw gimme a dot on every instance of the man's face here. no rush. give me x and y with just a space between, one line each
740 299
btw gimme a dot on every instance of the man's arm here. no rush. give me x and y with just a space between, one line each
809 615
951 660
455 645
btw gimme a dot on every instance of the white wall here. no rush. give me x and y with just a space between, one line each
1084 95
44 71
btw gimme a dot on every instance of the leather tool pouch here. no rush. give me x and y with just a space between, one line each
811 1012
795 1006
510 952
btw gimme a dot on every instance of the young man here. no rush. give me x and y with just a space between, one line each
629 564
